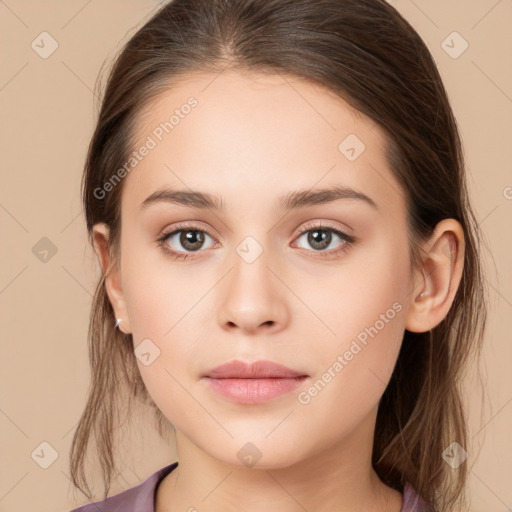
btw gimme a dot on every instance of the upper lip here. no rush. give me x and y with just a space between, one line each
259 369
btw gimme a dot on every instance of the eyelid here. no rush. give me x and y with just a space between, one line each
349 240
305 227
181 226
309 226
180 255
322 225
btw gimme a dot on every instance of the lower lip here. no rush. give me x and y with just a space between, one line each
254 391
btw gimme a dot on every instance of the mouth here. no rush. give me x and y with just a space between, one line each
253 383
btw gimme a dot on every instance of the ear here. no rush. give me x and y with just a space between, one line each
111 269
436 283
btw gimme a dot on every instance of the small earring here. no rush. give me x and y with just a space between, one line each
422 294
118 321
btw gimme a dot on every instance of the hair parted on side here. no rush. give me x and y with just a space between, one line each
368 54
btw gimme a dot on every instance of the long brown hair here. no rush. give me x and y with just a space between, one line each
368 54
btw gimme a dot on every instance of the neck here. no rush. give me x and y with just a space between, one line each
339 478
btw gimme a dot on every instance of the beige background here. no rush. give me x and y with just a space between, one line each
47 119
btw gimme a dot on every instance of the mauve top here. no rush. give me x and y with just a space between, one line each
141 498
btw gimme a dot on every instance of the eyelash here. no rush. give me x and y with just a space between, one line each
348 239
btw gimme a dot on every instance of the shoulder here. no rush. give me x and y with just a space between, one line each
412 501
140 498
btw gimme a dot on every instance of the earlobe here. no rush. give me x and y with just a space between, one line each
111 270
439 278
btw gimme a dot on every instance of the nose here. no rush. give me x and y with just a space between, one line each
252 297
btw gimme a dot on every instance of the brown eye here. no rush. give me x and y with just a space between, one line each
184 240
191 240
320 238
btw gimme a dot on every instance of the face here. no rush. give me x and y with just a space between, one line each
262 273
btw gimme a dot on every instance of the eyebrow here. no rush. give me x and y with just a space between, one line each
294 200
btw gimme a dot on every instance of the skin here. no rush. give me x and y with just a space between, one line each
251 139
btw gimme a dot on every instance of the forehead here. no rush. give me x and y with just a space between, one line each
249 137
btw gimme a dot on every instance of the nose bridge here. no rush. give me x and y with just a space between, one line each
252 295
251 276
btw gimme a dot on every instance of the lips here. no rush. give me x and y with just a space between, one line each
256 370
254 383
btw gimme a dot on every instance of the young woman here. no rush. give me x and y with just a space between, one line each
276 194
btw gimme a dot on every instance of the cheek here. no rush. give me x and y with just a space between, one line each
158 291
364 308
163 301
372 284
166 316
160 302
